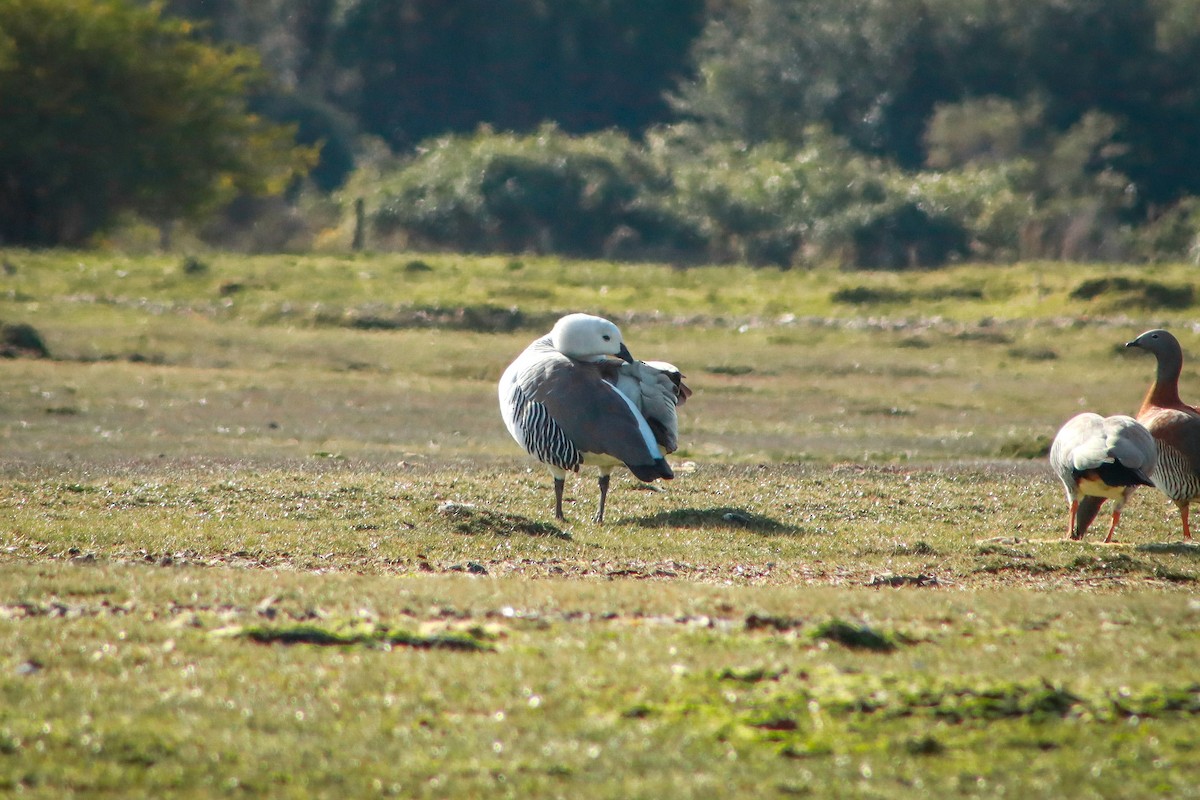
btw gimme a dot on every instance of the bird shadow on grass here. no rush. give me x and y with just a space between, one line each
472 520
721 517
1171 548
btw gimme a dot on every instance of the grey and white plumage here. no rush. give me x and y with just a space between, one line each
1174 424
577 396
1101 458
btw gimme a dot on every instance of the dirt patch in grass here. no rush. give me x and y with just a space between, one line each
1135 291
1034 447
21 340
478 318
869 295
997 568
374 635
894 581
856 637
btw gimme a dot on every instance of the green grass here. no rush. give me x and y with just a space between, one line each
585 687
345 290
272 539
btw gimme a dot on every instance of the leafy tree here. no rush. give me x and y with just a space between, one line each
768 70
291 36
422 68
874 71
107 107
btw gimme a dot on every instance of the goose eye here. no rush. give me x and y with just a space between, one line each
606 337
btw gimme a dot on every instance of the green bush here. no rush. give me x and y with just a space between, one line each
985 201
775 204
906 235
1057 192
749 205
682 197
545 193
1173 234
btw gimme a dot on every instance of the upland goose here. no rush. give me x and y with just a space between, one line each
569 402
1101 458
1174 425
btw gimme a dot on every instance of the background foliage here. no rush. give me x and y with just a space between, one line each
986 131
107 107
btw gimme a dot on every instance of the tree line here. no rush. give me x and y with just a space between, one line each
875 132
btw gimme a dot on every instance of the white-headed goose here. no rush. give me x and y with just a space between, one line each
576 396
1174 424
1101 458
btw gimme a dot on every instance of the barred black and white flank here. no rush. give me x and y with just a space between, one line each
576 396
542 437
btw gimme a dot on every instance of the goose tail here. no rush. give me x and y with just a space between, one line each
659 468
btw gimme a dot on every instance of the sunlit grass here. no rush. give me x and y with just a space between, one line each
587 688
332 289
250 547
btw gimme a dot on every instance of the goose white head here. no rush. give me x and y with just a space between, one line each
588 338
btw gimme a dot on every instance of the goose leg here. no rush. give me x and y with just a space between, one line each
1112 528
1071 518
559 483
1184 507
602 481
1116 517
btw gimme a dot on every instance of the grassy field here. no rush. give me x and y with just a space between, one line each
262 533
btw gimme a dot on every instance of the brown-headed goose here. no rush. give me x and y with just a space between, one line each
1101 458
1174 424
569 402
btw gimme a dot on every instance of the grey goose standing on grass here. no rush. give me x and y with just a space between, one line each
1101 458
576 396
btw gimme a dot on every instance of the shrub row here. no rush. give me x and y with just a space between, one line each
677 197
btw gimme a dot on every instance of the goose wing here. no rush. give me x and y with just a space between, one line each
1131 444
657 389
1118 449
575 405
1075 446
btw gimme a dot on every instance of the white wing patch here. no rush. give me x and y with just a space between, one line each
643 426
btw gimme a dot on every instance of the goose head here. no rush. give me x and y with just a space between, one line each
588 338
1158 342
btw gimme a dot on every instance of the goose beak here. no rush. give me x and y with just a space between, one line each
624 354
1132 344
